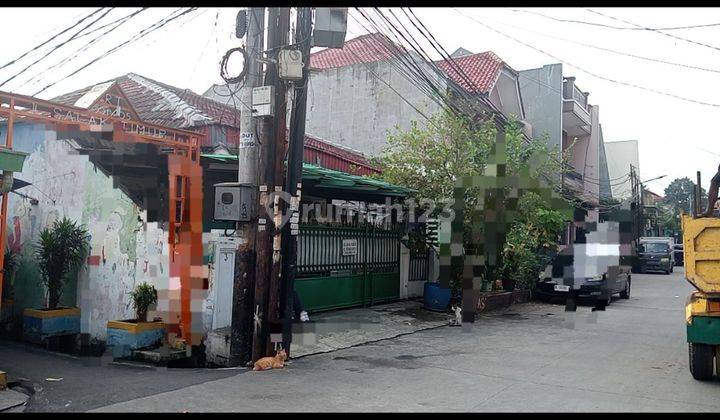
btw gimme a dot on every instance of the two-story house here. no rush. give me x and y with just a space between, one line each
559 111
358 94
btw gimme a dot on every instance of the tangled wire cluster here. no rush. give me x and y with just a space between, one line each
223 65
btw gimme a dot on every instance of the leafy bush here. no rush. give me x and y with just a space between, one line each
143 296
10 264
432 158
531 242
61 251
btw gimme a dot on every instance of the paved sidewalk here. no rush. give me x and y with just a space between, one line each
330 331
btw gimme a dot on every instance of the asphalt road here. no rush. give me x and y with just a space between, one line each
531 357
63 382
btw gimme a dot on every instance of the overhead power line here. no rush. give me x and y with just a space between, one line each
462 95
628 28
117 22
407 71
393 26
622 53
155 26
608 79
57 47
51 38
656 30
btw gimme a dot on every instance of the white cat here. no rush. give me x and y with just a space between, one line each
458 316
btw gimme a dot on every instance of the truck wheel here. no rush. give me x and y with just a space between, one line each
701 361
625 294
717 361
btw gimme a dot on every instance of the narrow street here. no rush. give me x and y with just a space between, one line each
321 183
632 357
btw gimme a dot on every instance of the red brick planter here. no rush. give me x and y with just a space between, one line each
522 296
489 301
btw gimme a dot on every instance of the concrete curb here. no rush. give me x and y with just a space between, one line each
368 342
12 401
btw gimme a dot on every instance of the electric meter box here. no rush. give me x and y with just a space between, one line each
290 64
263 101
234 202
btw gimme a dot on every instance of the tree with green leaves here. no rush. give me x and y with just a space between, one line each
432 159
679 195
449 147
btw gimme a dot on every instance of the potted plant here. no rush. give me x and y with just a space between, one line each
125 336
6 308
60 252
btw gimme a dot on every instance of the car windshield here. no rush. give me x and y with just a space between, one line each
655 247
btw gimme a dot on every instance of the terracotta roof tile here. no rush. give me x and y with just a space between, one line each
366 48
482 69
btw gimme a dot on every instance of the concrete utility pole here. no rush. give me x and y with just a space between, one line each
293 179
243 286
272 140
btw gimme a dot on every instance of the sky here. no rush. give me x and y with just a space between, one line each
675 136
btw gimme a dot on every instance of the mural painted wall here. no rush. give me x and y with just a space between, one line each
125 248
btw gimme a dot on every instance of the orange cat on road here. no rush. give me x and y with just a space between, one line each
276 362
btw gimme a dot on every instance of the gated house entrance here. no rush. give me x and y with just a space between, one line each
341 262
342 266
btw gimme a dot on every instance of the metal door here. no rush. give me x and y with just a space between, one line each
223 278
343 266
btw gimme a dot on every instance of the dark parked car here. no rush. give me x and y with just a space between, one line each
598 274
602 287
679 254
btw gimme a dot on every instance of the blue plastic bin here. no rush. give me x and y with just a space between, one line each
436 297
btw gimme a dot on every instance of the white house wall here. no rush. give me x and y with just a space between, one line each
351 107
124 251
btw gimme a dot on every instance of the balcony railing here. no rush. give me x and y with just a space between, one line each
571 91
579 97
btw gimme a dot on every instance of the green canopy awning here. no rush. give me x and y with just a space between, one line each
328 178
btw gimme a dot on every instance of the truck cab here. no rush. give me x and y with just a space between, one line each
656 254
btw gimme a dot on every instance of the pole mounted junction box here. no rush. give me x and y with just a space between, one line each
234 202
263 101
330 27
290 64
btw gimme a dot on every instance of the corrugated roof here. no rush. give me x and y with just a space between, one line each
328 178
162 104
340 155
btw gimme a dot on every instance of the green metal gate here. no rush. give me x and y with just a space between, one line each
341 266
